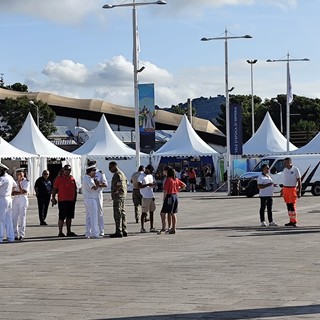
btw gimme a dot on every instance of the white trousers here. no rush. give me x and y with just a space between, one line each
19 215
6 218
100 214
92 229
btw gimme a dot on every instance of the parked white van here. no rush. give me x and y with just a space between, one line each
308 164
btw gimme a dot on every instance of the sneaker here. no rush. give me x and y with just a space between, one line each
43 223
142 230
153 230
21 238
116 235
291 224
101 234
171 231
16 238
263 224
273 224
161 231
61 234
124 234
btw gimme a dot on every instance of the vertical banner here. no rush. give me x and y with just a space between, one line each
147 116
235 129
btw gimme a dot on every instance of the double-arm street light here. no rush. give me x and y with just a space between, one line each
289 93
136 69
252 62
227 37
37 109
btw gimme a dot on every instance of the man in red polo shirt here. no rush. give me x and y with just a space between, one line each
66 188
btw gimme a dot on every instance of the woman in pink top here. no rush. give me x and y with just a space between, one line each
171 188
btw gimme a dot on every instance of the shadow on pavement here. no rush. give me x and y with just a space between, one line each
236 314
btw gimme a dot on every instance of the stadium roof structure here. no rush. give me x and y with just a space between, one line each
92 109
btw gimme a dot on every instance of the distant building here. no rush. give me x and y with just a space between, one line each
87 113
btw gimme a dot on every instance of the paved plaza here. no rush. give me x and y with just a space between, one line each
219 265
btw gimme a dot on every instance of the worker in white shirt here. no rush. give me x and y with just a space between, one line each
7 184
20 205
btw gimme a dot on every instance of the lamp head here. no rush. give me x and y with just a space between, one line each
108 6
161 2
247 36
31 102
205 39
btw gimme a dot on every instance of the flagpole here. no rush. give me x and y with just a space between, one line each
288 105
289 93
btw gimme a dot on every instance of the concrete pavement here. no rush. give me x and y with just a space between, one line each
219 265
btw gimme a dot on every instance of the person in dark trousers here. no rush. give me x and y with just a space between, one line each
266 187
43 189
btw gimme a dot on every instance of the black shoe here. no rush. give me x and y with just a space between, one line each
291 224
124 234
71 234
61 234
116 235
16 238
137 220
43 223
21 238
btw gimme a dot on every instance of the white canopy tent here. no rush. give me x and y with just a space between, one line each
9 151
312 146
30 139
185 142
104 146
267 140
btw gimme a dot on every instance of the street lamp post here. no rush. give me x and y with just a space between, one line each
280 107
225 37
252 62
289 93
37 109
136 69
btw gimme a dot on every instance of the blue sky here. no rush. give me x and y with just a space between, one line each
77 49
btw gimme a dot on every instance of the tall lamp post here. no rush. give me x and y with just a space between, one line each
37 109
252 62
226 37
289 93
280 107
136 69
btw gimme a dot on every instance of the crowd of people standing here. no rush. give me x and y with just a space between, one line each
63 193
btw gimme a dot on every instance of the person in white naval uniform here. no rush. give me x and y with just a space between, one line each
90 192
100 177
20 205
7 184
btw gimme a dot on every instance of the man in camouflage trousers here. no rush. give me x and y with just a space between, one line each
118 195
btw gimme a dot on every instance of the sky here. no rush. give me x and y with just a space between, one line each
77 49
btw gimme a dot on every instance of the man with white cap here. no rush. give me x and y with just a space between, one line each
90 192
20 204
103 183
7 184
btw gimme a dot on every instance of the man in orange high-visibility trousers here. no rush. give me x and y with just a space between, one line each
291 190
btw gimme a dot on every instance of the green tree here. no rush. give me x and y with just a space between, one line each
17 87
182 109
13 113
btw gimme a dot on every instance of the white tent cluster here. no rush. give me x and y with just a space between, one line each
104 146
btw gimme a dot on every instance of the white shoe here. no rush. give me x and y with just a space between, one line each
273 224
142 230
101 234
263 224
